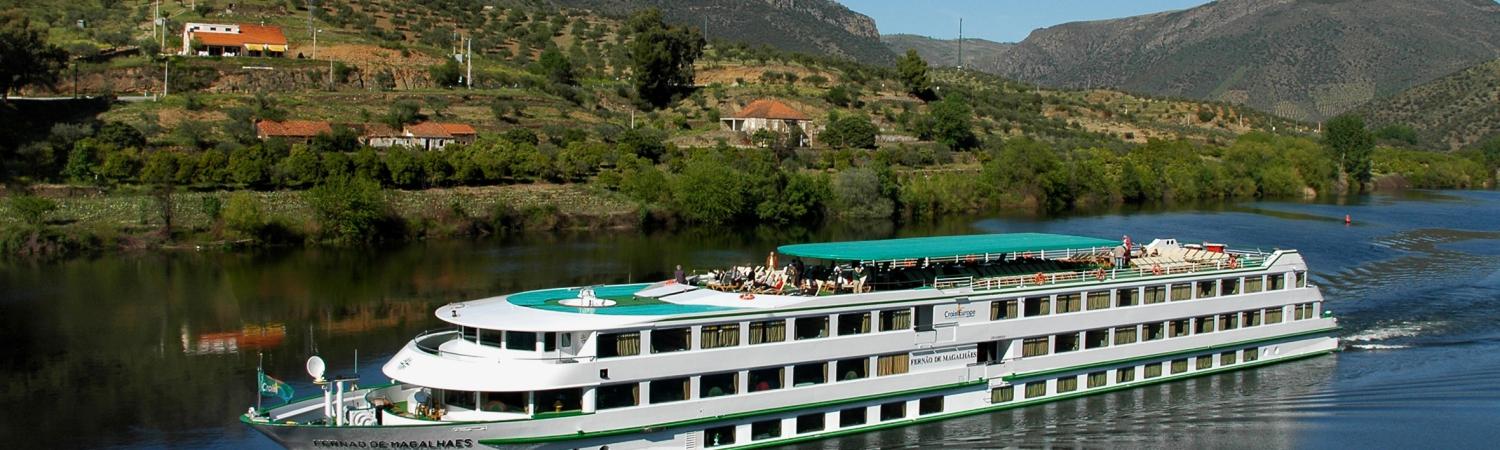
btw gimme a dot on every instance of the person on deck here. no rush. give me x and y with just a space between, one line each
679 276
771 260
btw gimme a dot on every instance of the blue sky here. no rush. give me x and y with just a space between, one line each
998 20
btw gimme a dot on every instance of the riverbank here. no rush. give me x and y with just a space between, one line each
86 219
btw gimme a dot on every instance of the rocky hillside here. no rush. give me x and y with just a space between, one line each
979 54
1304 59
1451 112
819 27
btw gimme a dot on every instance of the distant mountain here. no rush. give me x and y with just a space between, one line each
1303 59
979 54
1451 112
819 27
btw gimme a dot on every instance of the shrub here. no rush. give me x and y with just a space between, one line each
242 214
349 210
32 210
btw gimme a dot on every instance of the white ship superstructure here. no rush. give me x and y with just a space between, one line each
834 338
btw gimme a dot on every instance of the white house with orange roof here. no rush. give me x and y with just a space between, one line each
767 114
240 39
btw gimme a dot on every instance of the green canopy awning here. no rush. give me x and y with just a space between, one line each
942 246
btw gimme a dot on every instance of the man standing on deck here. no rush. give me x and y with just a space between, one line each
1126 242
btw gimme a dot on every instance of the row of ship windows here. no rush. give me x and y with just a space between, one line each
667 340
1100 338
857 416
668 390
818 422
1100 379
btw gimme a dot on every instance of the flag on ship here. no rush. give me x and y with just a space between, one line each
273 387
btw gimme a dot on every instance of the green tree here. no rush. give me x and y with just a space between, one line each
705 192
1347 137
446 74
912 70
26 58
857 194
556 67
952 123
32 210
160 168
402 112
851 131
242 214
661 57
349 210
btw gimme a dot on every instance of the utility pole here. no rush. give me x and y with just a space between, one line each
960 43
166 76
469 60
315 43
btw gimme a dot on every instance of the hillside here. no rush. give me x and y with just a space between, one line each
979 54
1302 59
815 27
1451 112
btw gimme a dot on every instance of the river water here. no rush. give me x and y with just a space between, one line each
160 350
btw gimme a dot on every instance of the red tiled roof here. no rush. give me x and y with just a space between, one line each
439 129
769 109
249 34
292 128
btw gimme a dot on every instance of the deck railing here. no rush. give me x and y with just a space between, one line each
1241 260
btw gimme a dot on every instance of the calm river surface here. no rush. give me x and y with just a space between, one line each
159 350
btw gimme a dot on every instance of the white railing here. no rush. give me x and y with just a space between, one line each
1240 260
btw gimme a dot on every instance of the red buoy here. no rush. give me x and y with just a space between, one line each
1347 220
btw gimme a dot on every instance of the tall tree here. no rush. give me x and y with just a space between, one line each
661 57
1347 137
913 72
952 123
25 56
556 67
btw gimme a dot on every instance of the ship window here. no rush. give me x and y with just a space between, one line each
1229 321
492 338
1068 384
1302 311
520 340
668 340
717 336
812 327
854 323
469 334
511 402
1252 284
1278 282
1251 318
1178 328
1229 286
1124 375
767 331
895 319
1301 279
1125 297
808 423
765 429
718 385
717 436
1155 331
619 344
893 411
1207 289
459 399
1252 354
549 341
853 368
930 405
990 351
1036 389
892 364
669 390
1179 366
924 318
1227 358
1068 303
1003 309
1181 292
1273 315
766 379
559 400
1098 379
1125 335
1039 306
1098 300
1204 362
1002 394
1153 370
1096 338
1064 343
618 396
809 374
1155 294
851 417
1204 324
1036 346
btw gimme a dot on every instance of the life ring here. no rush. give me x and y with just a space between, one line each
1099 274
747 296
1039 278
1156 269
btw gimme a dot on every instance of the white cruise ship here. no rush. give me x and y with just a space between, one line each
832 339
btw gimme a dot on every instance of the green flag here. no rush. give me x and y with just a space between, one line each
273 387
